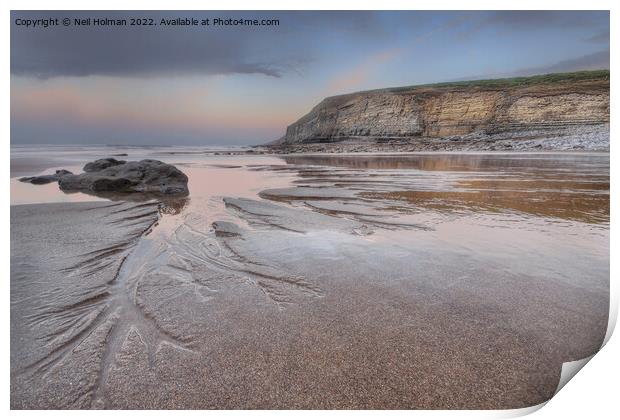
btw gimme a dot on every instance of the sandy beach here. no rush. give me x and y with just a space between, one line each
404 281
315 209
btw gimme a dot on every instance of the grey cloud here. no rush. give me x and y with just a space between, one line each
532 18
144 51
595 61
600 38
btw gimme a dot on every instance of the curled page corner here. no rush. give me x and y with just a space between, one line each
570 369
613 318
519 412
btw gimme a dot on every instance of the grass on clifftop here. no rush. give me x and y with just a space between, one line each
517 81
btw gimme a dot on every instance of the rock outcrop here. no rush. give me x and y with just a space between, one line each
487 107
101 164
111 175
46 179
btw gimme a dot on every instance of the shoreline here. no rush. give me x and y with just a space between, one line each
578 138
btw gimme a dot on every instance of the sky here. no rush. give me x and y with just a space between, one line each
238 85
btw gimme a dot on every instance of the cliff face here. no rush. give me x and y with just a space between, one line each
484 107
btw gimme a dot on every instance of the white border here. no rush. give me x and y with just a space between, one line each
593 394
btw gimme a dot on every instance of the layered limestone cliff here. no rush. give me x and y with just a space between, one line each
548 102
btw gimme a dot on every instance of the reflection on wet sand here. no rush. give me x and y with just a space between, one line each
573 187
569 206
453 162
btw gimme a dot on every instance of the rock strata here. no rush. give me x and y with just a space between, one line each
485 108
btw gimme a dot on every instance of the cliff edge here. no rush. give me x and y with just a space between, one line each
540 106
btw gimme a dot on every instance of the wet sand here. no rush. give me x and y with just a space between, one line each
428 281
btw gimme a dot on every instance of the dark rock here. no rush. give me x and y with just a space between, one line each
101 164
145 176
45 179
226 229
